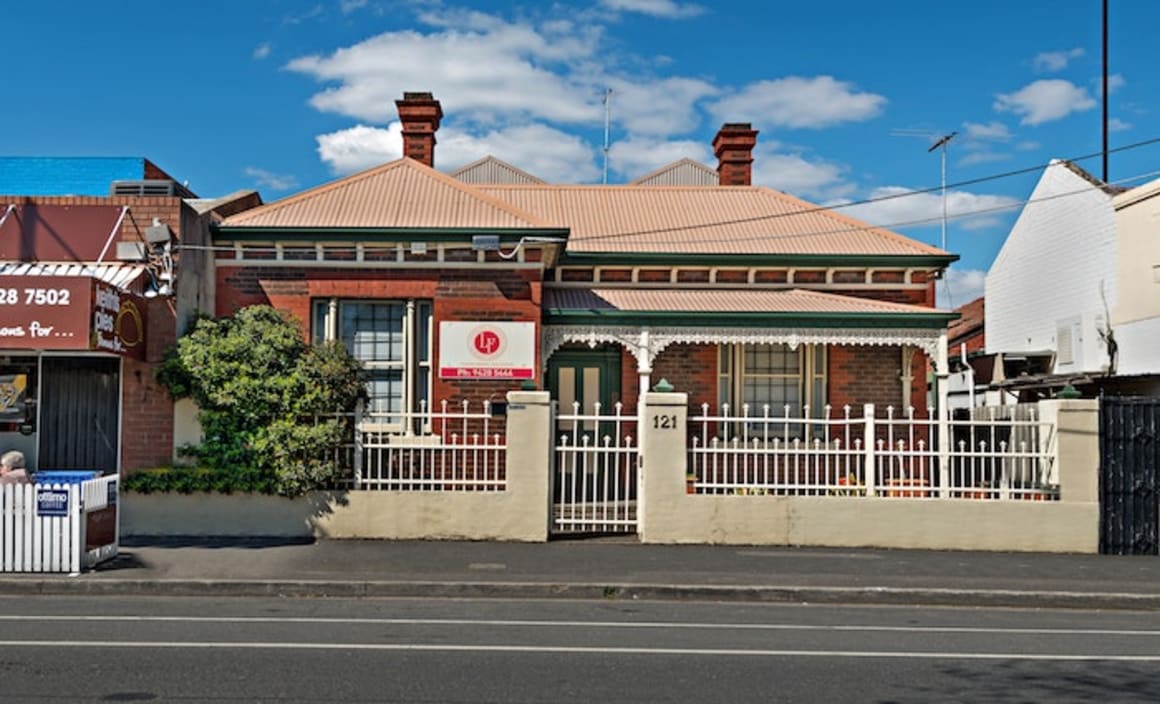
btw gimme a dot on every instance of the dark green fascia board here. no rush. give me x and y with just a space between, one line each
936 261
557 316
378 234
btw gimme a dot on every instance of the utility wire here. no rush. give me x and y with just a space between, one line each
787 236
868 201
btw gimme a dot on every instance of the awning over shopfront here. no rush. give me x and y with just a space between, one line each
646 321
81 312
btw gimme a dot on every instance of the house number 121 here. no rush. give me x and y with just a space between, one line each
665 422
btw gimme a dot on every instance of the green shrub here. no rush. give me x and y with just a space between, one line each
269 404
189 480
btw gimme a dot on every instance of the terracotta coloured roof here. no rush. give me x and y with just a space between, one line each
701 220
972 319
400 194
717 301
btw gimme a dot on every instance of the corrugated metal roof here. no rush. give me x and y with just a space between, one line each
717 301
683 172
601 219
119 275
489 169
701 220
400 194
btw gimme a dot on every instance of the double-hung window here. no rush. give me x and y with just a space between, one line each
392 339
775 375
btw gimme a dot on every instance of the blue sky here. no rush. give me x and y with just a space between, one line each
281 95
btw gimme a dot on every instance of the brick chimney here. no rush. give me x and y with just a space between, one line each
733 146
420 114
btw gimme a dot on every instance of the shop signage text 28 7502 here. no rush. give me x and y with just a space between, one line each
69 313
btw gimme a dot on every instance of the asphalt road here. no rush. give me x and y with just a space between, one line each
108 649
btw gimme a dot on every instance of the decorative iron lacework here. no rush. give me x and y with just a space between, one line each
646 343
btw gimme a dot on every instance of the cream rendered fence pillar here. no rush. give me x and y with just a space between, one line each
529 459
664 447
1075 448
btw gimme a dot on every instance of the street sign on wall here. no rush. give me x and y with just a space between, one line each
487 350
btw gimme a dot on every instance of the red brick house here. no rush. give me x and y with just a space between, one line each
95 288
449 290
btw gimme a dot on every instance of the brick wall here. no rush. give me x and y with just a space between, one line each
458 294
689 368
870 374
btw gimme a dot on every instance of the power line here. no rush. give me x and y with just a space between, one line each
765 238
868 201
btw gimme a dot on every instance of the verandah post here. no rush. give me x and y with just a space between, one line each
942 377
869 463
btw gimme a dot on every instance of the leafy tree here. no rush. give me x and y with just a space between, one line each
268 401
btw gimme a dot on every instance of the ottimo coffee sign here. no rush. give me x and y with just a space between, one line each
487 350
69 313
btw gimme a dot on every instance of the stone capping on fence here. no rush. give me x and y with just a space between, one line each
669 513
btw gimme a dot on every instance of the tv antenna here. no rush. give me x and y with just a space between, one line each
940 142
607 125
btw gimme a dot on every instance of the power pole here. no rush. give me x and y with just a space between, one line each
942 143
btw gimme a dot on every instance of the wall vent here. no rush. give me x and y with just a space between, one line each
146 187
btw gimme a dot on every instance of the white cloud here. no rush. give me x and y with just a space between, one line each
475 63
794 173
552 155
1116 81
902 208
799 102
1045 101
965 285
349 6
637 156
262 50
995 131
273 181
1027 146
657 8
555 156
1051 61
360 147
659 107
1115 124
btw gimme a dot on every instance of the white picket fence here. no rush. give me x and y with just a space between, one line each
993 455
52 527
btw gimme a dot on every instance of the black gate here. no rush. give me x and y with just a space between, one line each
1130 476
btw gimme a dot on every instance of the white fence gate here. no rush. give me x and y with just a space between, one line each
594 477
58 527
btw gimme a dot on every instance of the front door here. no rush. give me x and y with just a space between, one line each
594 481
587 377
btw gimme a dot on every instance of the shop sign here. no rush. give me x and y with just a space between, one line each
51 502
69 313
487 350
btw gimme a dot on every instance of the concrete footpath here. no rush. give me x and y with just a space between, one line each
609 569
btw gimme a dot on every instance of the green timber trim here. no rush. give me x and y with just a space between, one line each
378 234
771 319
610 259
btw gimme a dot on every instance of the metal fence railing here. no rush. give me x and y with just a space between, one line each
1001 453
594 478
452 449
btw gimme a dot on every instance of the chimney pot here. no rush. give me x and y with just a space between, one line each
733 147
419 112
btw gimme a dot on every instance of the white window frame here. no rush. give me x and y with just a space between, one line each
812 363
416 364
